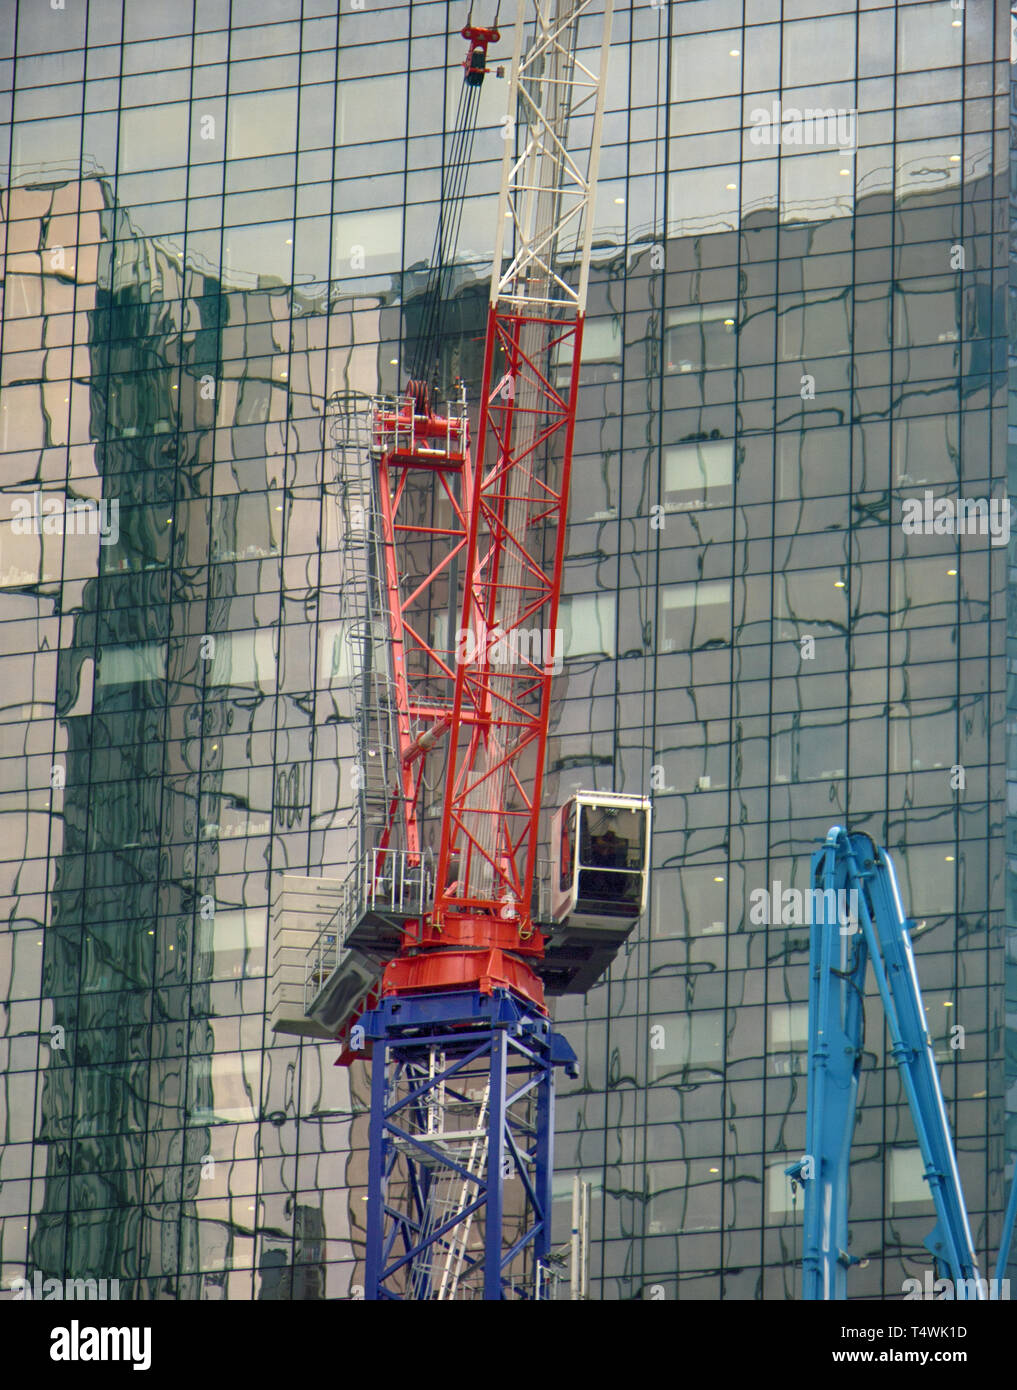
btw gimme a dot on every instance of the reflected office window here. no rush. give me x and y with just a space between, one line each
687 1041
699 336
927 875
144 540
925 42
588 624
691 901
48 146
27 558
926 311
245 525
699 475
130 665
243 658
231 945
153 137
368 243
602 342
813 463
336 653
908 1187
806 599
924 591
701 68
818 326
814 748
695 615
922 737
349 648
371 108
261 124
222 1088
925 450
787 1030
788 1027
683 1197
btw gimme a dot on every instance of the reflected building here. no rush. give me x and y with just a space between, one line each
214 230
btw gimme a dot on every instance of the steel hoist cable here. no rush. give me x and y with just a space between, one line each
426 356
424 363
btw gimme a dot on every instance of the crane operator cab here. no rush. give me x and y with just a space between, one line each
600 845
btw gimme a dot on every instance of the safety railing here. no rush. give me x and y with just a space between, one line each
540 906
395 429
323 957
398 882
389 882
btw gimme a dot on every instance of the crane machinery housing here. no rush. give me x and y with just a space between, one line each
456 925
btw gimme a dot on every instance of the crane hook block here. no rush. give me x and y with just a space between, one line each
475 63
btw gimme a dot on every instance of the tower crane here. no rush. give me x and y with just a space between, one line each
453 930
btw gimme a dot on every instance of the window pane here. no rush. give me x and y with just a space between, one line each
779 1197
49 146
683 1197
789 1025
700 336
341 652
245 526
154 137
699 474
373 108
927 38
368 242
262 123
128 665
588 624
243 658
813 463
815 597
907 1177
232 944
688 1040
223 1087
922 740
696 615
692 902
925 591
818 327
601 343
925 312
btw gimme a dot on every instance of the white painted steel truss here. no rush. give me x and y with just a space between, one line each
547 188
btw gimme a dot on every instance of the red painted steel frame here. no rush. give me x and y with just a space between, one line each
423 677
498 735
489 720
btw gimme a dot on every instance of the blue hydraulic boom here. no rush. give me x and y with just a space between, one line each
857 915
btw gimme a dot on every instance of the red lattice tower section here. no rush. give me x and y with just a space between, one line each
481 932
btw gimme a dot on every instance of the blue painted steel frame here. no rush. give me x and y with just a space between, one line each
839 953
518 1052
1009 1221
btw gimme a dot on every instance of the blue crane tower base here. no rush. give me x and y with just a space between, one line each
461 1138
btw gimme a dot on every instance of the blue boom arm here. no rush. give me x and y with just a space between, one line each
851 869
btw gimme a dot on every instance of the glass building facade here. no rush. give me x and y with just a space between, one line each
216 224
